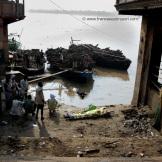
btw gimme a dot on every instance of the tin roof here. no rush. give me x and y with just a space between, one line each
138 7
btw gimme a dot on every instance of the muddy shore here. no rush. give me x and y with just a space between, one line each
103 137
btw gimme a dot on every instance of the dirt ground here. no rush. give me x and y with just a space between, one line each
103 137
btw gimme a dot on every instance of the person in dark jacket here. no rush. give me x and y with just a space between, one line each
39 99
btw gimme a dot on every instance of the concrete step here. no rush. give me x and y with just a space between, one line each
75 159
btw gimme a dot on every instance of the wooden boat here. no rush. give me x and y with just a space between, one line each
28 71
108 58
87 56
79 75
113 62
29 62
73 74
34 71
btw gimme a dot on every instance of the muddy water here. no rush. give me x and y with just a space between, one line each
107 87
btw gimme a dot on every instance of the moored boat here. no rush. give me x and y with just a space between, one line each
27 71
74 74
112 62
79 75
107 58
86 56
29 62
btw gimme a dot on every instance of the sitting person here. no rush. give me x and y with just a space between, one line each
29 105
17 108
52 104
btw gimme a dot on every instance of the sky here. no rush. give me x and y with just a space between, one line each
98 5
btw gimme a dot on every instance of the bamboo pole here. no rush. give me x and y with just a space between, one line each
51 75
48 89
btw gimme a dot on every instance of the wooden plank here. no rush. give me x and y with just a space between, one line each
146 63
48 89
141 54
51 75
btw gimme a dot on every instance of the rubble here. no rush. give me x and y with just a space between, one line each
138 122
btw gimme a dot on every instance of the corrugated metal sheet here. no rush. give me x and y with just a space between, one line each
136 5
125 1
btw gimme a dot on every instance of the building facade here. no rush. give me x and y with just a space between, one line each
10 11
148 77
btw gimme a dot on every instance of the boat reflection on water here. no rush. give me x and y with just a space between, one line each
82 89
102 72
63 88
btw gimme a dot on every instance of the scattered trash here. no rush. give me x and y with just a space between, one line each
78 136
112 144
92 151
87 151
129 154
80 154
138 122
142 154
42 143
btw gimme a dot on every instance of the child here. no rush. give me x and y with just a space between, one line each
29 106
52 104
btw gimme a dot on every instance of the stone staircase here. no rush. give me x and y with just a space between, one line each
75 159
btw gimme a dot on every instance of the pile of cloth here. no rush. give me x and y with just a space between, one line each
89 114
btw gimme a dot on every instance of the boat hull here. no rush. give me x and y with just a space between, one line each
75 74
118 65
79 75
28 71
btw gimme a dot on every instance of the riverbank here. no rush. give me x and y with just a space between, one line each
104 137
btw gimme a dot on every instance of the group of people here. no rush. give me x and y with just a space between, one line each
18 101
14 90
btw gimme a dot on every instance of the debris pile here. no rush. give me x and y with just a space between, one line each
85 56
138 122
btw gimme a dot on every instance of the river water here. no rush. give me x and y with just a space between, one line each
42 30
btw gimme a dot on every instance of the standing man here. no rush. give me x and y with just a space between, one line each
39 99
